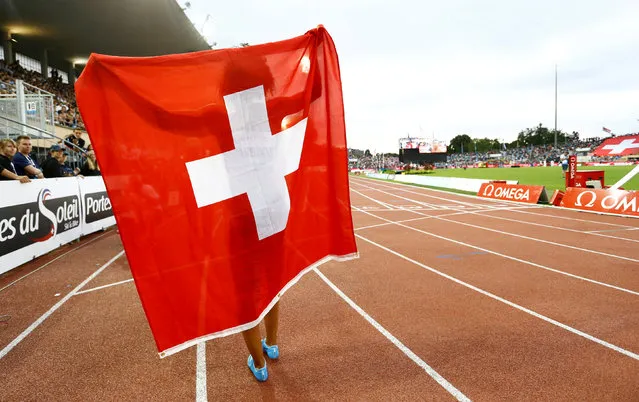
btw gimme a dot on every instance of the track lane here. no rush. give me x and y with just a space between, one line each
30 298
617 272
489 350
606 313
103 336
563 214
575 239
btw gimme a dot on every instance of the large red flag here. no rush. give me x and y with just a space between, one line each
227 173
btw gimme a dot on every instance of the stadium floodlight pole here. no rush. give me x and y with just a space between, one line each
555 105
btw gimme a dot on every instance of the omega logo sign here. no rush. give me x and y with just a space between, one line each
616 202
509 193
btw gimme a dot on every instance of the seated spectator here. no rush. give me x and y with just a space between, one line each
52 167
66 169
90 167
7 170
24 164
66 113
75 138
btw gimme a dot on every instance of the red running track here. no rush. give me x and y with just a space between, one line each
453 297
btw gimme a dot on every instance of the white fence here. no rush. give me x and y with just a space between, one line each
456 183
40 216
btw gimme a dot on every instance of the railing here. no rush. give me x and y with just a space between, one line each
15 128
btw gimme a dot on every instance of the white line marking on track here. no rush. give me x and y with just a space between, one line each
509 257
479 202
509 233
54 260
403 187
594 233
103 286
389 223
409 353
515 209
613 230
567 210
200 373
383 204
413 219
46 315
509 303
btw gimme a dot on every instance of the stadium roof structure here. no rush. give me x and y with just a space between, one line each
70 30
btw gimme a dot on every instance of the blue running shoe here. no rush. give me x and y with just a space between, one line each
260 374
273 352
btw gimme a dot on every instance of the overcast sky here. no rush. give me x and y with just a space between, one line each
486 68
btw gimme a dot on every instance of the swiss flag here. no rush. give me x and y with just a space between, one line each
227 173
618 146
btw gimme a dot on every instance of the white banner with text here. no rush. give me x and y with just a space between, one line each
40 216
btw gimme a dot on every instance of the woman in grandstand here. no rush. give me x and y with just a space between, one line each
90 167
7 170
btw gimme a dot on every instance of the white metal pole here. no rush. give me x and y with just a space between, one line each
625 179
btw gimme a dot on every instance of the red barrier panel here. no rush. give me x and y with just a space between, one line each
556 198
610 201
513 192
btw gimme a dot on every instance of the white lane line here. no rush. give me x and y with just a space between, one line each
593 233
383 204
510 257
620 257
103 286
46 315
613 230
409 353
478 212
200 373
403 187
560 210
409 220
375 209
479 202
509 303
55 259
390 223
512 234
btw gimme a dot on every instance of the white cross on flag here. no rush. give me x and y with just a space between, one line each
227 174
619 146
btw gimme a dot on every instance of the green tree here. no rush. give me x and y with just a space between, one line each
541 135
355 153
459 142
487 145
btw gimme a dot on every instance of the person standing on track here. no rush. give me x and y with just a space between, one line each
259 346
564 163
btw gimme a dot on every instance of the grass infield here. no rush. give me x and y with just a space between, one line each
548 176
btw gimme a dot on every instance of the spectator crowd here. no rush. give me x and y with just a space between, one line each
18 163
65 107
533 155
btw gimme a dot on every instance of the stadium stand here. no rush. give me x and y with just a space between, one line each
45 45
